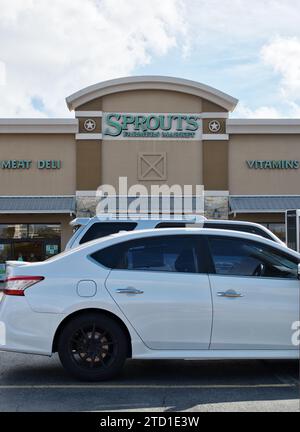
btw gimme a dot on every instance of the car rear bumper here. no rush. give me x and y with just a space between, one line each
23 330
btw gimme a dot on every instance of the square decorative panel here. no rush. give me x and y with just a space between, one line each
152 166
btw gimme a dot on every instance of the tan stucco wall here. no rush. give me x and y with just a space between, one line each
93 105
120 158
88 164
64 220
243 180
35 181
151 101
184 161
215 165
208 106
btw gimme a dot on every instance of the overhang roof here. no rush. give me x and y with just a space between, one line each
37 204
151 83
263 203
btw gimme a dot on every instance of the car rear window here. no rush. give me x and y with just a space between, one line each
103 229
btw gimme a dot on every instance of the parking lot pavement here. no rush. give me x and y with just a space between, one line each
32 383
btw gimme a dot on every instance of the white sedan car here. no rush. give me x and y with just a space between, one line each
157 294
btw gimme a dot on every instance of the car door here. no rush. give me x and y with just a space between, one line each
255 293
160 286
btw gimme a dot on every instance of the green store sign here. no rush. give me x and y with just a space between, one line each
23 164
273 164
120 125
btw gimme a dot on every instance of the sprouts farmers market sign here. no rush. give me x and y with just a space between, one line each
151 126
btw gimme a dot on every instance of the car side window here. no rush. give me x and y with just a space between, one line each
254 230
171 225
214 225
235 227
103 229
159 254
237 257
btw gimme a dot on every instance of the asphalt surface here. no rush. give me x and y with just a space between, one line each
33 383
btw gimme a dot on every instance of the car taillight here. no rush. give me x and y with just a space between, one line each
16 286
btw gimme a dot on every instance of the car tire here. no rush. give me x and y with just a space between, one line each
93 347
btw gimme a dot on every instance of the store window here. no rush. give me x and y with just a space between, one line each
44 231
13 231
29 242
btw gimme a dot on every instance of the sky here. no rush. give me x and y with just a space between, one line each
248 49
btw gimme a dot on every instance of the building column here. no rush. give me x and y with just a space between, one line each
215 168
88 161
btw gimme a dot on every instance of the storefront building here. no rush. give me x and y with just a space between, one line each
152 130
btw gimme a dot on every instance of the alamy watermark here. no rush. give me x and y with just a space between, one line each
154 202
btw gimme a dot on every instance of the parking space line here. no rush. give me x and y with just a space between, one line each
146 386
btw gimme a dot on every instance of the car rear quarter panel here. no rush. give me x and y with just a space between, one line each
57 293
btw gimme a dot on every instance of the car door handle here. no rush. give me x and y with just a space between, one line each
129 290
230 294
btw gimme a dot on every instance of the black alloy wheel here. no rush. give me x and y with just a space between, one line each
93 347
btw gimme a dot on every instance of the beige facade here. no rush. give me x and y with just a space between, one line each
246 181
34 180
151 101
200 146
121 158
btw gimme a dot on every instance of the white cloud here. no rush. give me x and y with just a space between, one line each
256 46
287 109
264 112
283 55
54 48
51 49
241 21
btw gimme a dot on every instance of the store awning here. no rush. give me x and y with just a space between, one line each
37 204
263 203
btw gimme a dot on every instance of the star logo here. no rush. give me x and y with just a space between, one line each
214 126
90 125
